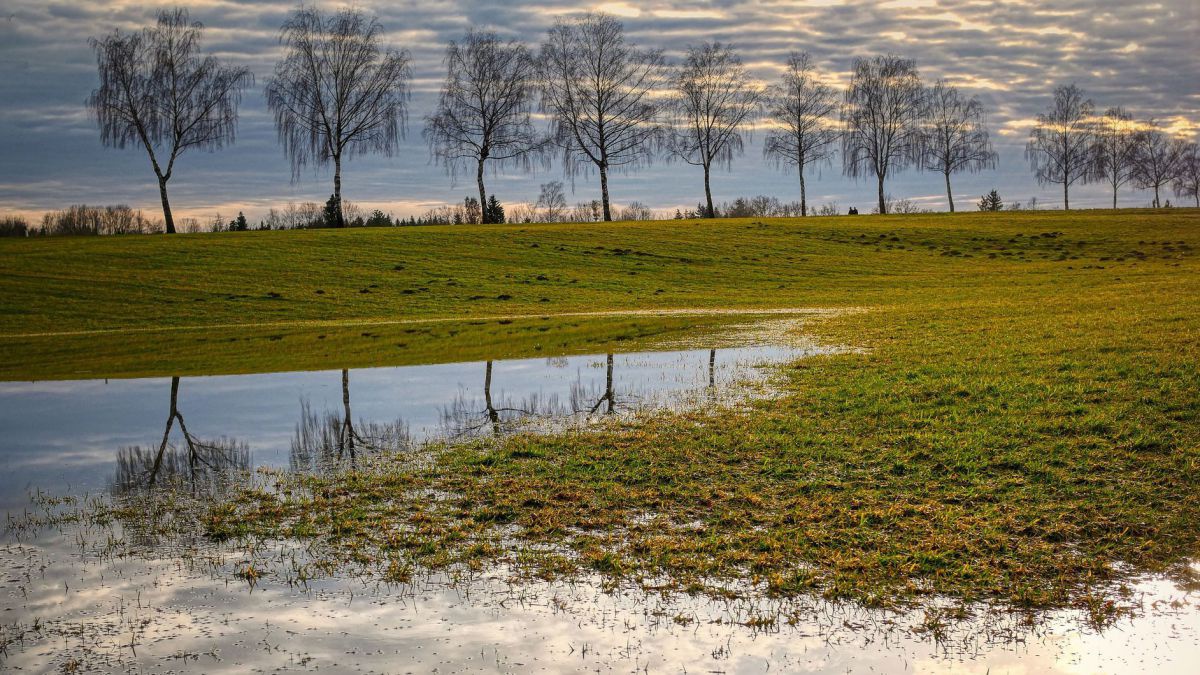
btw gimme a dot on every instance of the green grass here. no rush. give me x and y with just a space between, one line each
1025 417
243 292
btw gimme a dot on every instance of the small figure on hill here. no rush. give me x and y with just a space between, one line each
853 211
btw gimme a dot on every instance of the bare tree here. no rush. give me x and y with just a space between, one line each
714 99
802 109
1114 149
336 93
954 135
157 91
636 211
600 91
1187 182
552 202
881 117
1157 160
1059 149
484 109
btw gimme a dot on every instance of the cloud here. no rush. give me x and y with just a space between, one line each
1137 55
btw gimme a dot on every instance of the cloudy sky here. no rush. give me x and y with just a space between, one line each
1144 56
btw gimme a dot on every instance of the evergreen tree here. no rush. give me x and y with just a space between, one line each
239 224
991 202
332 215
379 219
493 212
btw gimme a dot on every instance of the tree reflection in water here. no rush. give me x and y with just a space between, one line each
197 461
464 418
323 441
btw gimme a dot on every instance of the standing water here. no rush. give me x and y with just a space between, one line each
70 601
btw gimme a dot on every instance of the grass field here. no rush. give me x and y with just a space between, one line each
1023 427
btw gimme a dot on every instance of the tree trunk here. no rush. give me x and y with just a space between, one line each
162 192
1066 197
803 197
1156 203
1114 195
604 191
483 207
882 203
337 189
949 193
708 194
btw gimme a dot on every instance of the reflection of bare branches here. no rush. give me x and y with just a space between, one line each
321 442
139 467
198 452
463 417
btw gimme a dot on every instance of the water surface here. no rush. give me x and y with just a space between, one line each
68 602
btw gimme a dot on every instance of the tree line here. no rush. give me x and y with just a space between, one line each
338 92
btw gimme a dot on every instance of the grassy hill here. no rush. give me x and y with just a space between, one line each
99 305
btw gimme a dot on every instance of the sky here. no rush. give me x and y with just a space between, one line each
1143 56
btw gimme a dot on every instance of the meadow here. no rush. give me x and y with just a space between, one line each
1020 426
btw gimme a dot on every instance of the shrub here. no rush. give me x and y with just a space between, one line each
82 219
13 226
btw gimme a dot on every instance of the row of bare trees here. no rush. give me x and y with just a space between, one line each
1072 144
337 92
608 112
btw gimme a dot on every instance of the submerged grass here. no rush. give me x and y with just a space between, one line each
1023 427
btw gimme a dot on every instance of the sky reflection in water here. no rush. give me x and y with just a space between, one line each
75 437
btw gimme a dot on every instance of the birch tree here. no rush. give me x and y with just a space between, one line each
1157 160
954 135
337 93
1060 145
158 92
483 112
1187 182
801 108
714 99
1114 149
881 118
601 94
